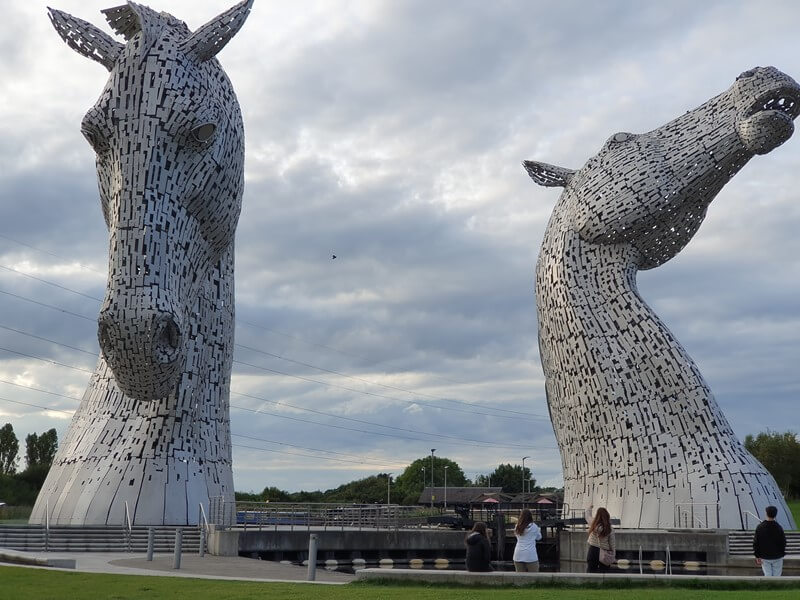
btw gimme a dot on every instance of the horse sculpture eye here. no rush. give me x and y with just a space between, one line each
204 132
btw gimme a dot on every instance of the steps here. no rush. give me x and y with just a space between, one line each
99 538
740 543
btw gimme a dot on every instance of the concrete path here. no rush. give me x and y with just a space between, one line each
192 565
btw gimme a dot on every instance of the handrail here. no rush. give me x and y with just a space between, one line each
202 513
747 514
46 525
668 567
128 525
687 509
700 521
203 532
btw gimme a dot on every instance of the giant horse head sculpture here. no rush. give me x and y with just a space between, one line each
638 427
169 140
151 438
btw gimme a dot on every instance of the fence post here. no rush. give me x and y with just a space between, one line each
176 563
151 536
312 557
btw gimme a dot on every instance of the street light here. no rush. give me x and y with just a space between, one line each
432 451
445 487
388 488
523 475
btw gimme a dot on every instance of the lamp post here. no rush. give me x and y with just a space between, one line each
445 487
388 489
523 476
432 451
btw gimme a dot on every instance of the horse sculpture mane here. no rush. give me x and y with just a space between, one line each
638 427
151 437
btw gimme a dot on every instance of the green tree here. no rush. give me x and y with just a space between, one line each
409 484
369 490
273 494
40 450
509 477
780 455
9 447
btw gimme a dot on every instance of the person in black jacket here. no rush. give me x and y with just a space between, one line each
479 549
769 544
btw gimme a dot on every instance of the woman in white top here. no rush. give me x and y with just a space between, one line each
526 532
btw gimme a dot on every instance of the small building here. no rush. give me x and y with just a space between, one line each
452 496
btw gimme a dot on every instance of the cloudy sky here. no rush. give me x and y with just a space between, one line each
390 133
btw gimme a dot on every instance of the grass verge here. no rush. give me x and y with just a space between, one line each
794 506
22 583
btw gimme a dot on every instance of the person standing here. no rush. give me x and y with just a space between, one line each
479 549
769 544
601 541
527 533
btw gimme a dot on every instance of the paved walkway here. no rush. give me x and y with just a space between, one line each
192 565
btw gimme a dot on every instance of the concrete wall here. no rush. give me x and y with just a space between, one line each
332 540
713 542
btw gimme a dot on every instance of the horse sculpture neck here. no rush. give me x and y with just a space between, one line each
151 438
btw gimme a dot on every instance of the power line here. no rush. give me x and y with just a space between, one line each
63 310
301 377
44 339
363 422
390 387
315 456
12 269
440 436
47 360
66 412
82 266
364 459
319 345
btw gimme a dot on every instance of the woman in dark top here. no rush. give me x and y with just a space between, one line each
479 549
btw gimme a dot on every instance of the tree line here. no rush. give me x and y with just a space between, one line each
778 452
406 487
21 488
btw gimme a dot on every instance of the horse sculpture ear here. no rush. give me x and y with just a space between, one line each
85 38
209 39
548 175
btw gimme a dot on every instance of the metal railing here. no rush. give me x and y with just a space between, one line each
128 526
203 526
307 516
688 515
46 525
747 515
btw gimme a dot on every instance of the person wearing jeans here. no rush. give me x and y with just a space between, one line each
769 544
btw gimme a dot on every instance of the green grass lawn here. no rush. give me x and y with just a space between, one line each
794 506
19 583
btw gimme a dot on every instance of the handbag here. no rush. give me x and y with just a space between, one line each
607 557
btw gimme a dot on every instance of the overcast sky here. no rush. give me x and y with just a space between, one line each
390 134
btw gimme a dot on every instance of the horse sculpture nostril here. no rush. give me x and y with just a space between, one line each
104 337
166 340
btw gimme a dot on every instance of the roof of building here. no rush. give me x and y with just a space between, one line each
460 495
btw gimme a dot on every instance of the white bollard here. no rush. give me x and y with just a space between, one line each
312 557
176 563
151 535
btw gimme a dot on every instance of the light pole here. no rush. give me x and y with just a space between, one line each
445 487
432 451
388 488
523 476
